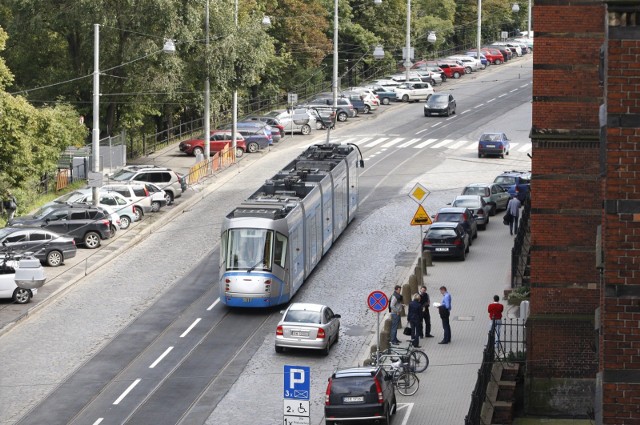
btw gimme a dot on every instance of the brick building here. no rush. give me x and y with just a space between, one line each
584 328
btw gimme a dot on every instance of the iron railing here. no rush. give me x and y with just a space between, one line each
521 248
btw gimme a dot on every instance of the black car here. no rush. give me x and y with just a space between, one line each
48 247
360 393
460 215
446 239
440 104
87 224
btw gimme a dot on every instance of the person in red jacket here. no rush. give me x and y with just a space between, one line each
495 310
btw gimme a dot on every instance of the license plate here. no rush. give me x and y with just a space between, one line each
299 333
353 399
246 300
434 113
442 249
491 146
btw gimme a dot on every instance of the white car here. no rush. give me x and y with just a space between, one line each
116 203
158 196
469 63
304 325
414 92
386 83
8 287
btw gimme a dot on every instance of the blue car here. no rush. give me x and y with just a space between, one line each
257 135
509 180
493 144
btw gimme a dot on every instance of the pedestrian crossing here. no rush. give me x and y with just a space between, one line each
386 142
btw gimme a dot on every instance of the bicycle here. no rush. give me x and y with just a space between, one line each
405 380
418 359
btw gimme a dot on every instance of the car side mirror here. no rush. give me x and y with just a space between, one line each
336 316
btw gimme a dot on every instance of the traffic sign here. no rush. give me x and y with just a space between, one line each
297 383
296 420
296 407
419 193
421 217
377 301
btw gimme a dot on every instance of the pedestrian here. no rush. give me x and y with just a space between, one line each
10 205
445 311
425 301
495 310
414 316
514 211
395 306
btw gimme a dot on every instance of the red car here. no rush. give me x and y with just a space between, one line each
493 55
217 142
452 69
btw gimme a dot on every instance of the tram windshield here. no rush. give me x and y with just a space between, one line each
253 249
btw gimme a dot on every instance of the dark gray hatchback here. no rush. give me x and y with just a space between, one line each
360 393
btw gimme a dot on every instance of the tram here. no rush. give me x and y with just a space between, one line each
273 240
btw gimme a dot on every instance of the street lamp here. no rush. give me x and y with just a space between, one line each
431 38
407 61
479 37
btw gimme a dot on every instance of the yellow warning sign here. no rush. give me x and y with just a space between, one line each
421 218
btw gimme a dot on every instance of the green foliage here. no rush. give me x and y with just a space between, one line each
518 295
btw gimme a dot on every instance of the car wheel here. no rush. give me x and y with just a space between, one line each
138 212
482 226
125 222
385 101
342 116
253 147
448 112
463 256
21 296
91 240
114 229
454 110
498 62
468 70
305 129
405 98
367 109
456 75
479 155
279 349
198 151
502 155
319 126
155 206
483 66
387 416
426 114
54 258
475 234
444 78
493 209
468 247
327 349
239 152
470 240
168 198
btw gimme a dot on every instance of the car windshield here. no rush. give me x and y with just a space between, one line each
438 100
303 316
43 212
4 232
70 197
124 175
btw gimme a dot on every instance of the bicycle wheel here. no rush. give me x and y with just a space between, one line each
407 383
419 361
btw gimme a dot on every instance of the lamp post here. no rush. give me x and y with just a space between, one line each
207 90
479 41
234 117
407 61
334 79
515 9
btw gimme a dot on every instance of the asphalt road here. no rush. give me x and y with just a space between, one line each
142 340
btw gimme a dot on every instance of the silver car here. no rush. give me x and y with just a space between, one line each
493 194
298 120
477 205
312 326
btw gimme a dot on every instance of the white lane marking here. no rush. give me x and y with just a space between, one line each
473 145
376 142
464 112
524 85
213 305
159 359
127 391
511 91
409 143
478 106
190 327
421 131
347 140
525 147
458 145
407 415
491 100
441 144
425 143
393 142
452 117
362 140
437 124
98 421
502 95
513 145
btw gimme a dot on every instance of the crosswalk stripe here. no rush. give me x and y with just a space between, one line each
513 145
393 142
376 142
525 147
425 143
458 145
348 140
409 143
444 142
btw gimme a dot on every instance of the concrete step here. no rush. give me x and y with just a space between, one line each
502 412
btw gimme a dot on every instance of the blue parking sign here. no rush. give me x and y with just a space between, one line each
297 382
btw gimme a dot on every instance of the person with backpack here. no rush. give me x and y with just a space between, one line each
9 205
395 307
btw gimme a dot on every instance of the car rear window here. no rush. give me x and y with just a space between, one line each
482 191
505 180
302 316
449 216
469 203
353 385
139 191
441 233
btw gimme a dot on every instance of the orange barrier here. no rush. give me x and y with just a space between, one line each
206 168
63 178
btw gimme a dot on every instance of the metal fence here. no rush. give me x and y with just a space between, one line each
521 248
512 336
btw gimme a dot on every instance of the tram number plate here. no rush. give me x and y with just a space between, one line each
299 333
442 249
246 300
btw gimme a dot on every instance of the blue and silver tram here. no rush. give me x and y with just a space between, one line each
273 240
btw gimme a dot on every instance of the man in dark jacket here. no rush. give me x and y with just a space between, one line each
425 301
414 316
